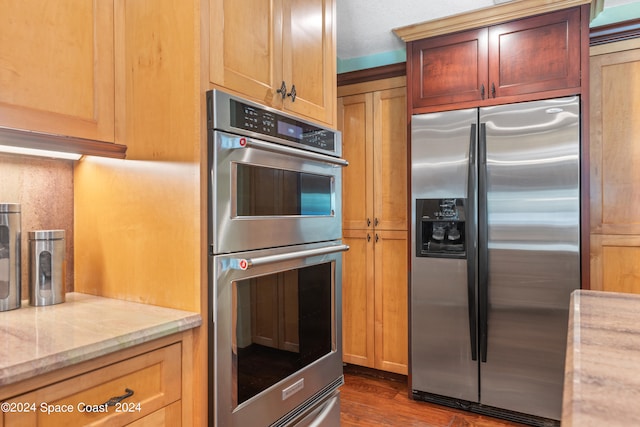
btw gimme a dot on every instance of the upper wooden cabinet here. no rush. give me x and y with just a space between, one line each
518 59
280 41
374 132
57 67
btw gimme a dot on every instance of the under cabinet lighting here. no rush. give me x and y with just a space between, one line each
20 141
38 152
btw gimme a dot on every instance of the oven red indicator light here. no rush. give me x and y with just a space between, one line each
243 142
243 264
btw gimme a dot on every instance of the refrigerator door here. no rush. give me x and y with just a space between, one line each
529 169
443 330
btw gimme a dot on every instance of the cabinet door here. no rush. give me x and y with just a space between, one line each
390 159
154 378
57 67
309 58
449 69
358 298
535 54
391 301
246 48
615 171
355 120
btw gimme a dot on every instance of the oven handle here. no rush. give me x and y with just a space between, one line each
247 263
289 151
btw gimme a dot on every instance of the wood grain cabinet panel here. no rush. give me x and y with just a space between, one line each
57 67
358 292
536 54
374 132
154 378
450 69
522 60
280 41
374 296
615 169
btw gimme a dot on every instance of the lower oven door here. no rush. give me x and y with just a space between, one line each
277 331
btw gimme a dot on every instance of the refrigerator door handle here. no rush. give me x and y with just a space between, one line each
471 246
483 250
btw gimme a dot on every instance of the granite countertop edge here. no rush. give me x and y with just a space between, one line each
163 322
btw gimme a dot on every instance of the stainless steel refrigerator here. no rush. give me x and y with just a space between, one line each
495 255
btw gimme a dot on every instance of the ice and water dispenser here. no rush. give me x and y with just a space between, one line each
440 228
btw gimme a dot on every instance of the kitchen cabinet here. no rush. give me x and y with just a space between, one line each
75 396
280 45
615 167
374 299
521 60
57 68
374 142
372 118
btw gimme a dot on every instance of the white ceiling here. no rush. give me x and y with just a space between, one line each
364 26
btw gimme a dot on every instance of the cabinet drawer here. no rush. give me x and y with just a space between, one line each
154 378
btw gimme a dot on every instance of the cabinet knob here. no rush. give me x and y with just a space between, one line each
283 90
376 222
368 237
493 90
292 94
368 222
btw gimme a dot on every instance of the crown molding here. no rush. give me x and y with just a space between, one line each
483 17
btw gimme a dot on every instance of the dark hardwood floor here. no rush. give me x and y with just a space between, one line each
370 399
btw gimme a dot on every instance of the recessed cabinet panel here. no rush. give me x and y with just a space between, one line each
355 120
57 67
390 148
450 69
246 49
309 58
535 54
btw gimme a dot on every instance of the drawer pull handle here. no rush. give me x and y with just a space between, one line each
117 399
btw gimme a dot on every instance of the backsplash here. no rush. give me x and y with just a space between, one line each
44 189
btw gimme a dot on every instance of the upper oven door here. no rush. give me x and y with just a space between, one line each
269 195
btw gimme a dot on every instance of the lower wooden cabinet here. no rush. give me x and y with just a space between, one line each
78 395
374 300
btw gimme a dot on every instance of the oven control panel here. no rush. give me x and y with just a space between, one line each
265 122
229 113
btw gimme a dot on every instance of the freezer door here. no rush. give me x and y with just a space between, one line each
529 166
443 290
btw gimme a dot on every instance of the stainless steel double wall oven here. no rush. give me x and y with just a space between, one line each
275 266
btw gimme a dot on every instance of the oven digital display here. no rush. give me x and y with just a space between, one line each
289 130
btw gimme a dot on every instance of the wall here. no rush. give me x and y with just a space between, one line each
44 189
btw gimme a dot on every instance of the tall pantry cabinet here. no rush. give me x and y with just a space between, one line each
615 166
372 118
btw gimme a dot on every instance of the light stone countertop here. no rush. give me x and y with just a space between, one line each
602 371
36 340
